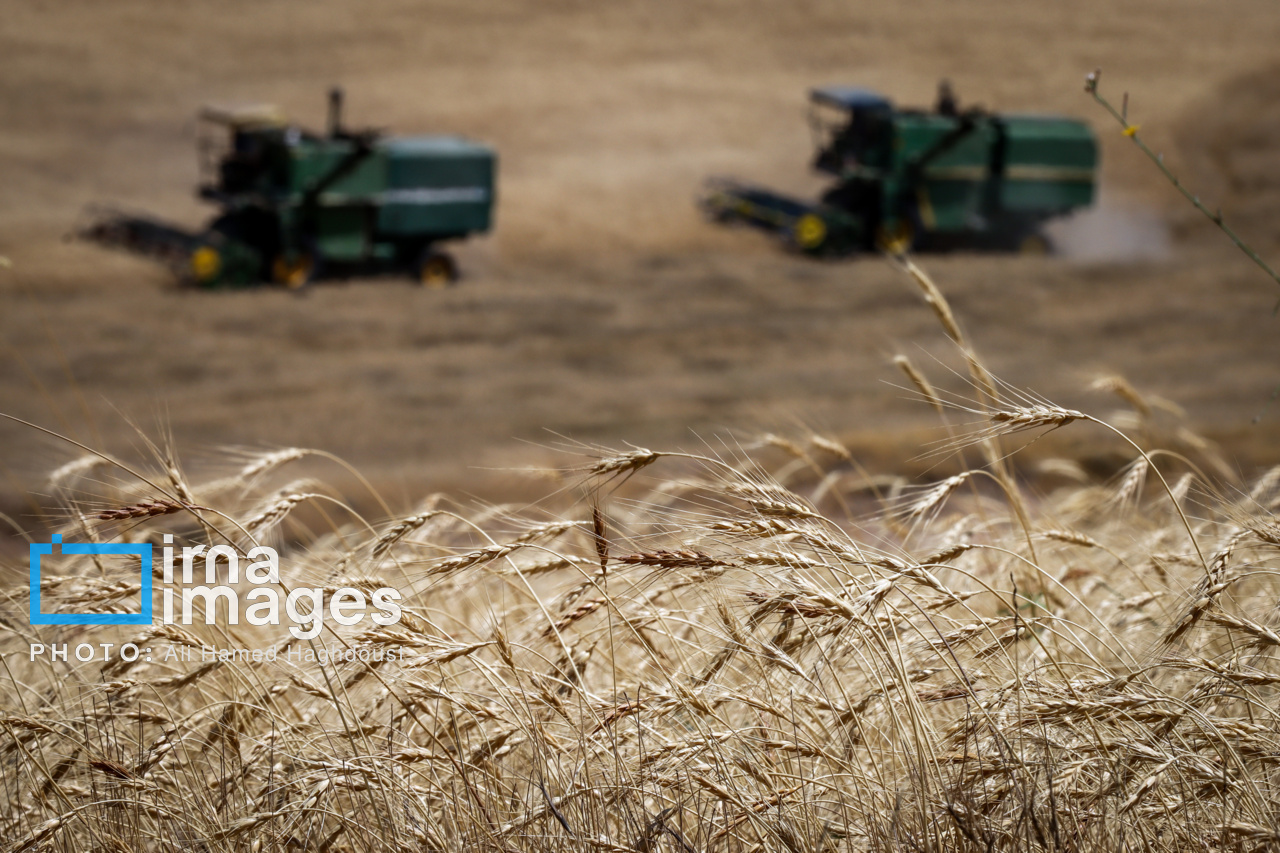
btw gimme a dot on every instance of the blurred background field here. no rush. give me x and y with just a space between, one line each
603 308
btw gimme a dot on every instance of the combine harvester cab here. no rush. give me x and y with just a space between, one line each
294 203
915 179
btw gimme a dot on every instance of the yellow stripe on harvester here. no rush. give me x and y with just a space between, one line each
1075 174
925 206
957 173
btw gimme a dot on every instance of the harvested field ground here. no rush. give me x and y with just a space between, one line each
603 309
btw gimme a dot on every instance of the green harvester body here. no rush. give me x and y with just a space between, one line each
916 178
294 203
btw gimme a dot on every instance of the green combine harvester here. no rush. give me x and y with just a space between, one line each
909 179
295 205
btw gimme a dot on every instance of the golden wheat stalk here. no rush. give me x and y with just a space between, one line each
145 509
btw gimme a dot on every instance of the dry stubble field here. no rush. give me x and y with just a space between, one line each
602 308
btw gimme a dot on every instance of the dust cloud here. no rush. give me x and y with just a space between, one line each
1112 232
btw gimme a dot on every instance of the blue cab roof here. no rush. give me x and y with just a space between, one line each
849 98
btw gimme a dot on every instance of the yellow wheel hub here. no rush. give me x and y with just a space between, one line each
436 270
434 274
292 273
810 231
1034 245
206 263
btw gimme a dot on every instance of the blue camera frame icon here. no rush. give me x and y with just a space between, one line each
142 551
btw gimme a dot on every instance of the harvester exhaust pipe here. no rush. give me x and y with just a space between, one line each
335 112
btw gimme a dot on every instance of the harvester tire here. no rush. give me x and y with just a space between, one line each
295 272
435 269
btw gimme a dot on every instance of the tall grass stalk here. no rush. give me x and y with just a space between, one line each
1131 131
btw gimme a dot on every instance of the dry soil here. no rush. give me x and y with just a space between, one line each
602 309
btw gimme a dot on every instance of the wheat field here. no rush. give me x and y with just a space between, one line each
757 645
760 647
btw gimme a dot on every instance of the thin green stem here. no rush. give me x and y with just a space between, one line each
1131 131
